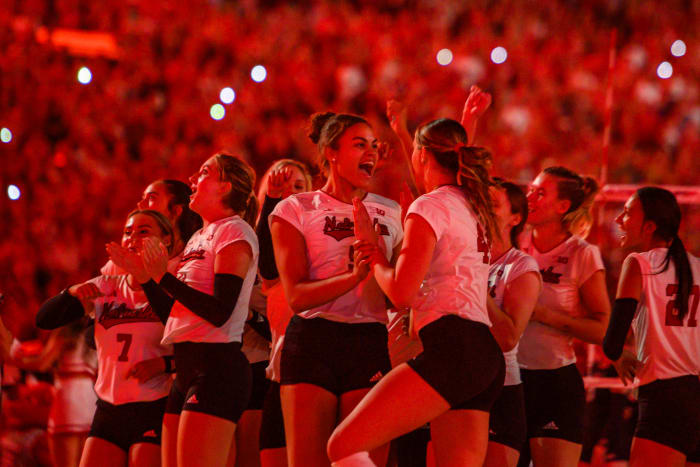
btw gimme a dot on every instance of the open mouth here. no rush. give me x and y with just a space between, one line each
367 167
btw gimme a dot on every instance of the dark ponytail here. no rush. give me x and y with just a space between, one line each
518 205
661 207
188 222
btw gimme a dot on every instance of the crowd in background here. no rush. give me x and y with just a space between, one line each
81 154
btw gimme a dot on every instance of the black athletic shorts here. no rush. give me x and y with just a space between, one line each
669 413
507 422
462 362
127 424
554 403
211 378
272 426
260 385
338 357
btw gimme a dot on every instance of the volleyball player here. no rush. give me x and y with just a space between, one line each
573 304
207 305
514 287
284 178
126 426
335 347
170 198
442 273
658 295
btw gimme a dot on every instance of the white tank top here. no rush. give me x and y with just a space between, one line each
127 331
197 270
457 278
666 346
564 270
511 265
327 226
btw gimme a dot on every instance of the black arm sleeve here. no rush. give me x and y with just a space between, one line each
620 321
58 311
261 325
266 260
160 301
215 309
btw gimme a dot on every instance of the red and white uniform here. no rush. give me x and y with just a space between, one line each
73 406
127 331
457 278
564 270
504 270
328 229
197 270
666 346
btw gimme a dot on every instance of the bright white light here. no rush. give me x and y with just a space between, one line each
499 55
664 70
13 192
444 57
5 135
84 75
258 73
227 95
217 111
678 48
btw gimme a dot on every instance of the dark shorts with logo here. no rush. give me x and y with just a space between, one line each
338 357
462 362
507 422
272 425
554 403
127 424
669 414
211 378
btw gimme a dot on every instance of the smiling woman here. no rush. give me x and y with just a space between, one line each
335 347
132 383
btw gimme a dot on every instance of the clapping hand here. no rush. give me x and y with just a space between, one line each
128 260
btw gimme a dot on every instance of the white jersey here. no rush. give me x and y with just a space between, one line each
457 278
328 229
197 270
511 265
127 331
564 270
666 346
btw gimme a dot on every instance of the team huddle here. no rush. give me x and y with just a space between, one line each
321 326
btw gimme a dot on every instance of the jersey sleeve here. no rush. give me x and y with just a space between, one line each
230 233
107 285
589 262
434 214
290 211
524 264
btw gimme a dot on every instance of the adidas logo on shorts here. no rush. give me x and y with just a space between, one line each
376 377
193 399
150 434
550 426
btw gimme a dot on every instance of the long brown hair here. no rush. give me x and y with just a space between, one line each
446 140
580 192
241 198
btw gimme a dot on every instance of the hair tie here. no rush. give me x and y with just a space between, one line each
459 146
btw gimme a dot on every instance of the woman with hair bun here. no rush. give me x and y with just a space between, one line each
442 274
335 346
206 305
284 178
658 295
573 304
